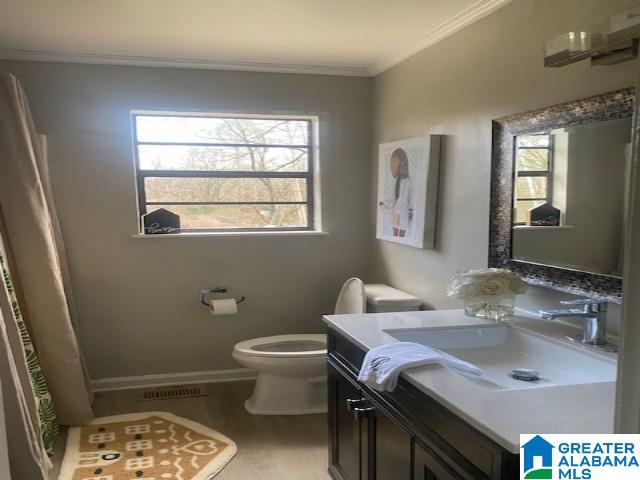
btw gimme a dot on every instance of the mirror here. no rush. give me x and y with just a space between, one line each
569 191
558 194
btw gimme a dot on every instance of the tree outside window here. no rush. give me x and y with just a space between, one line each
226 173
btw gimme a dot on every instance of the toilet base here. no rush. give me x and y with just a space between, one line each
278 395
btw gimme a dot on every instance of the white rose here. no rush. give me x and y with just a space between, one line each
490 287
485 282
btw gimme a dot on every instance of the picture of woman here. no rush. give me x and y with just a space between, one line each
399 207
407 191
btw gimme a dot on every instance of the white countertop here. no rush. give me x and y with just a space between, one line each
502 415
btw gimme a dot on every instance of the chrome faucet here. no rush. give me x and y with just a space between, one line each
594 314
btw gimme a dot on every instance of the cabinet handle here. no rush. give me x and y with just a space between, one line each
352 403
360 411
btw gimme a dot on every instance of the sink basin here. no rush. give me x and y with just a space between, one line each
499 349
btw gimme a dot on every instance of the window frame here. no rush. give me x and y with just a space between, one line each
548 174
310 175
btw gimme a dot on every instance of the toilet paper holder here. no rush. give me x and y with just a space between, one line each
206 291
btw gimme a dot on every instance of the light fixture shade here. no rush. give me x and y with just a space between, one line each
623 26
566 48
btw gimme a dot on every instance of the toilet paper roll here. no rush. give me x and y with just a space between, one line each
223 306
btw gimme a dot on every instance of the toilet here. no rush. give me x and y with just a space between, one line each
292 368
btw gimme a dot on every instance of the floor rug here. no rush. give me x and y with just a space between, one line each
144 446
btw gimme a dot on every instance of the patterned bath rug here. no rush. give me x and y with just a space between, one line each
144 446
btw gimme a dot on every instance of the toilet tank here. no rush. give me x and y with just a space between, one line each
383 298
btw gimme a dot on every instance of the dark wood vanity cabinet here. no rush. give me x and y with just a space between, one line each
427 465
403 435
365 443
390 448
348 438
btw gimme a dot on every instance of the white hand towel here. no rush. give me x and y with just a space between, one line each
382 365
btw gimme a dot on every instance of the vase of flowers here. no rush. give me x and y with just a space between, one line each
488 292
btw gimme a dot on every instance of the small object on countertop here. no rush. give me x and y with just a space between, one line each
525 374
382 365
487 292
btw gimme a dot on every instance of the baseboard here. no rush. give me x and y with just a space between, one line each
147 381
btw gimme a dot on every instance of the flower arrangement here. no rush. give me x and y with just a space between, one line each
487 292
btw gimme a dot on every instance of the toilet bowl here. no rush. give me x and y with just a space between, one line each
291 373
292 368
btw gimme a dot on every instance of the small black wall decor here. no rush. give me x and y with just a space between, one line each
544 215
160 221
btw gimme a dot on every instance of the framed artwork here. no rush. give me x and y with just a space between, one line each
408 191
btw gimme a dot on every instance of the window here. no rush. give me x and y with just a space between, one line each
534 173
227 173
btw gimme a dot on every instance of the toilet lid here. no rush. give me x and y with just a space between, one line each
298 346
352 298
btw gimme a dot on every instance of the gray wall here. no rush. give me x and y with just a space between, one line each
488 70
138 298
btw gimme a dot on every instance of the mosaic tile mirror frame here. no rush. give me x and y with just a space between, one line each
599 108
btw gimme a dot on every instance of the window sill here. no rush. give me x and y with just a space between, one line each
301 233
543 227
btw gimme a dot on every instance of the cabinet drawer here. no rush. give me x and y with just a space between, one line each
345 351
449 434
428 466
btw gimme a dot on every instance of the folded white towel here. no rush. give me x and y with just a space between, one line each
382 365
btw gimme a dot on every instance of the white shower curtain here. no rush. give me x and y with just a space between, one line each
38 259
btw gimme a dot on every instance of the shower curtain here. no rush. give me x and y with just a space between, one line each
38 263
11 312
30 414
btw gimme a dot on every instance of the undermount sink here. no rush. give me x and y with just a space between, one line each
499 349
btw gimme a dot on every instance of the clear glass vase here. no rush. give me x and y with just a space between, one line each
494 308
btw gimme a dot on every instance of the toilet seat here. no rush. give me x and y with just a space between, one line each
352 298
285 346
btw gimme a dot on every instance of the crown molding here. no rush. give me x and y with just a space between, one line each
466 17
168 62
474 12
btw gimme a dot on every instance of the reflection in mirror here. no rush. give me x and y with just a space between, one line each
569 191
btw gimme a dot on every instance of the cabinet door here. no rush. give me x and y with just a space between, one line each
346 452
390 449
428 466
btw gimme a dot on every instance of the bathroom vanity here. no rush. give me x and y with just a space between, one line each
437 425
403 434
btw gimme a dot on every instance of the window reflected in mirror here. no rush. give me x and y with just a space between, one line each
569 196
533 183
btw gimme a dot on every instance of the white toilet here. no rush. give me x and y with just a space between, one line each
292 368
